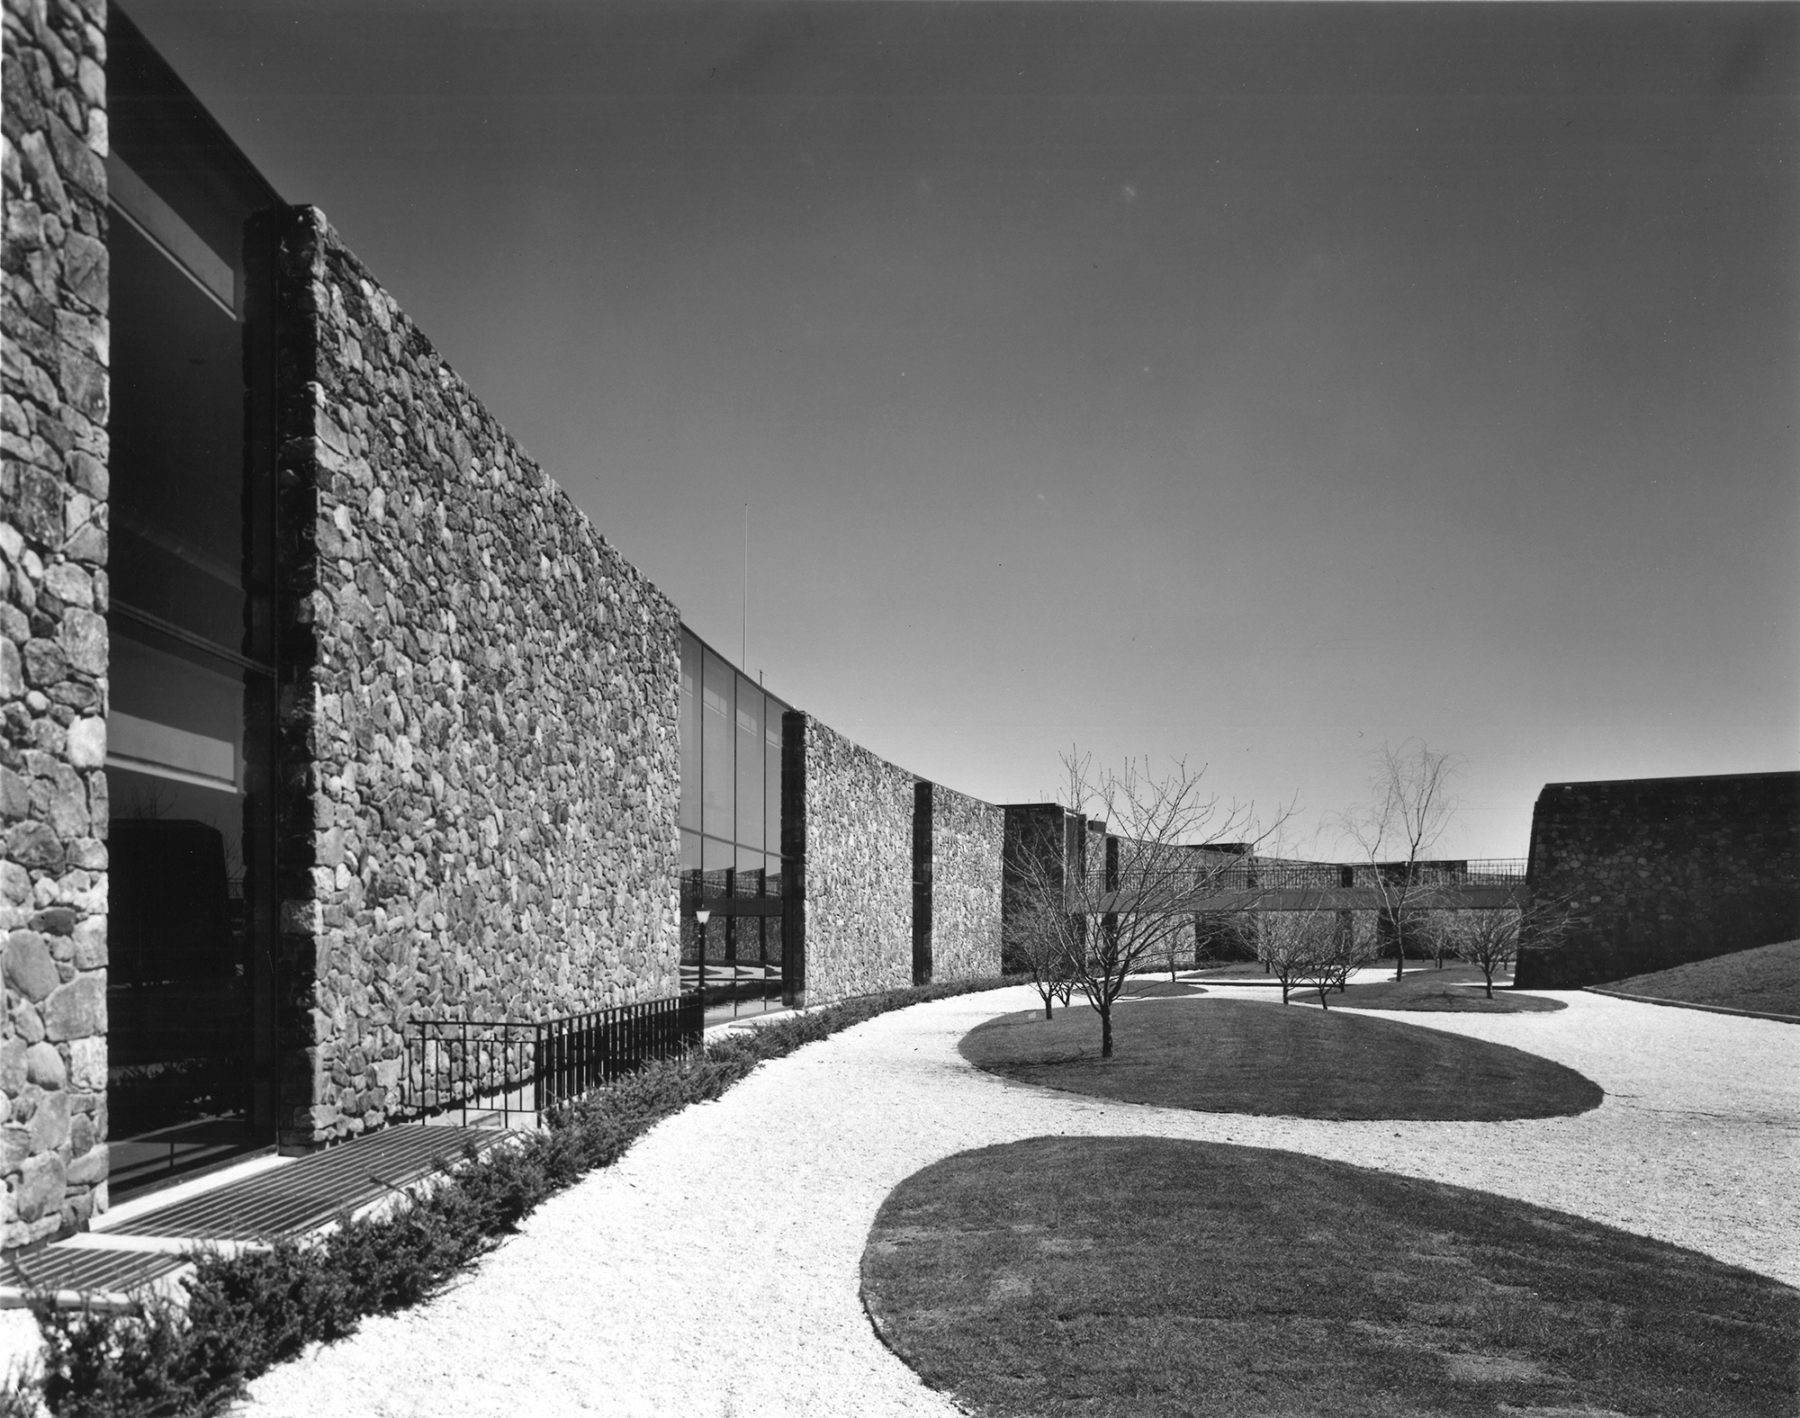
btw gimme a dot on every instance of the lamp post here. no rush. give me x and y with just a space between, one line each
701 917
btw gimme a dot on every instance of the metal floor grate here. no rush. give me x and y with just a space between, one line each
302 1196
81 1268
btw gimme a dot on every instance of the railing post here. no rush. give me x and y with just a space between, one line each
541 1062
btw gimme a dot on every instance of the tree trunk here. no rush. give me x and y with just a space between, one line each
1047 1012
1106 1032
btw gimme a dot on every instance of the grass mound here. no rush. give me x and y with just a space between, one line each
1137 988
1233 1056
1113 1276
1765 980
1455 989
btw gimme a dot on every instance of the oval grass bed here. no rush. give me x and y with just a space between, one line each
1103 1276
1455 989
1234 1056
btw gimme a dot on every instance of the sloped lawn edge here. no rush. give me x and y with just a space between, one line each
245 1313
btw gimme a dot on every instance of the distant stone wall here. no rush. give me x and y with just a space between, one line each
967 836
53 602
485 695
847 825
1662 871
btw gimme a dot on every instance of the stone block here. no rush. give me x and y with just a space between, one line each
49 1125
82 638
87 1063
77 1009
30 967
44 1066
90 943
38 1190
89 1167
87 743
14 1063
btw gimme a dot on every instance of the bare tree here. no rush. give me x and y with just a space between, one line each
1317 948
1395 831
1337 951
1118 891
1290 944
1041 940
1489 939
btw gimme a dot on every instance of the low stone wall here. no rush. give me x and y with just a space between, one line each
482 696
847 836
53 603
1661 871
967 836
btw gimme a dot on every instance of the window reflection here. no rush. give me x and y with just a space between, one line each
731 821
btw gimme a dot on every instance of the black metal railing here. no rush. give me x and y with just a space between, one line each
1305 876
501 1067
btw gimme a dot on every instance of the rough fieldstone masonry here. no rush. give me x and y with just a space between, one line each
967 836
480 701
53 601
1662 871
847 827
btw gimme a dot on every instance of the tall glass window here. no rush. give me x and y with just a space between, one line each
190 974
750 767
731 833
717 775
690 730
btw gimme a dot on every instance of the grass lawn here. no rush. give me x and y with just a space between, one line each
1232 1056
1454 989
1766 979
1025 1279
1144 987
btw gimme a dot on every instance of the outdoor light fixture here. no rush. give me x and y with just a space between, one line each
703 916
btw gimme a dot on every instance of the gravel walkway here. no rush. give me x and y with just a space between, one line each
714 1271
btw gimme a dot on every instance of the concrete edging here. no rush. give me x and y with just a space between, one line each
1684 1004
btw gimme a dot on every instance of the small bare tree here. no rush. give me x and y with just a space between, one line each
1394 833
1310 948
1489 939
1337 952
1107 901
1290 944
1040 939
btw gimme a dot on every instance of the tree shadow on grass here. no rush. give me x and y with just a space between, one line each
1233 1056
1115 1275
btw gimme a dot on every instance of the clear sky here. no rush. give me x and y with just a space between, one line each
1250 382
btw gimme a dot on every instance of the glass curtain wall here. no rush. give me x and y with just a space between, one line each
190 979
730 834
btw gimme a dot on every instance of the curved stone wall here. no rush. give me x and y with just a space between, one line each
849 828
967 836
486 694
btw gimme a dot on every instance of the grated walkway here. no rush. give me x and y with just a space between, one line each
141 1246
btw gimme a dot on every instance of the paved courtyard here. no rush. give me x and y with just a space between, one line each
714 1271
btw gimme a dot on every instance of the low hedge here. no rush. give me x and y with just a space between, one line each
245 1313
